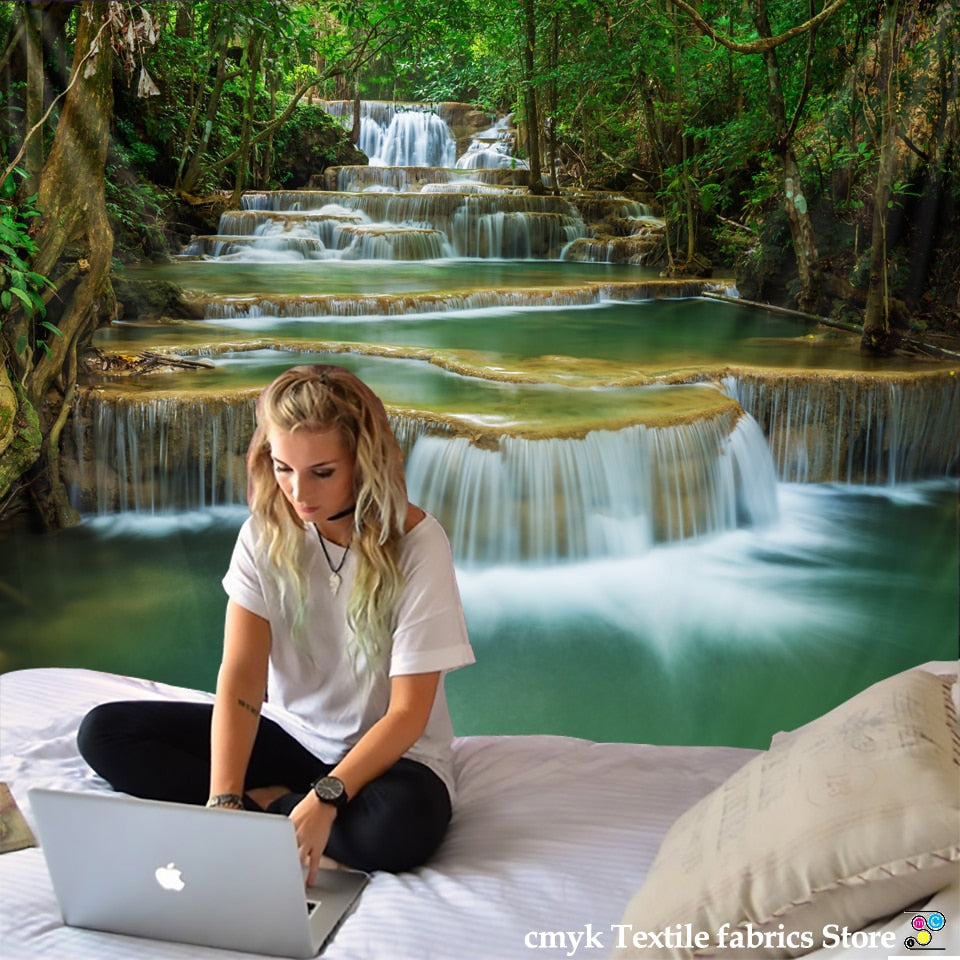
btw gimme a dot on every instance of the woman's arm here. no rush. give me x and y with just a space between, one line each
411 700
241 684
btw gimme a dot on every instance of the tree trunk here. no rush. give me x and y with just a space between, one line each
266 168
35 42
794 199
74 249
531 116
553 160
254 50
876 318
183 24
931 217
802 233
686 184
188 182
33 36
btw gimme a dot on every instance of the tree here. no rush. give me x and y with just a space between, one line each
876 318
531 113
193 153
259 59
795 202
794 198
73 245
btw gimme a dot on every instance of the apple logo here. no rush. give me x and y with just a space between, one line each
169 877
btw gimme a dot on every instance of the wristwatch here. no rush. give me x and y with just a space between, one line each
331 790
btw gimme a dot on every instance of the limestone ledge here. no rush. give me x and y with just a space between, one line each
402 304
833 396
546 369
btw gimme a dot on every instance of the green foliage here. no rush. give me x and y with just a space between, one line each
629 91
311 134
131 149
136 207
17 281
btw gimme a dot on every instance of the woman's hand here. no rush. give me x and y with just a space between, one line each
411 700
312 820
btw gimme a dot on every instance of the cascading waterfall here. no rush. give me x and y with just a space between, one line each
162 454
414 138
528 500
492 149
524 499
397 305
825 429
356 179
417 201
390 226
611 493
159 454
511 499
652 564
400 134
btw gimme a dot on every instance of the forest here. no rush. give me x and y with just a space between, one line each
807 149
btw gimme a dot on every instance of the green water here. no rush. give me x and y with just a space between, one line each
650 338
314 277
424 387
725 640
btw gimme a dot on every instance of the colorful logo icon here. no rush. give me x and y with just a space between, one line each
925 924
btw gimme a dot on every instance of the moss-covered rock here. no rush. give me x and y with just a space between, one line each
153 299
20 436
309 142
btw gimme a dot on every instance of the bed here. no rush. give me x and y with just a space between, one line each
555 844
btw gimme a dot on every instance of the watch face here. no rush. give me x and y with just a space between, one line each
328 788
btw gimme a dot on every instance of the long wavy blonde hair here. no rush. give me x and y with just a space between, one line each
317 398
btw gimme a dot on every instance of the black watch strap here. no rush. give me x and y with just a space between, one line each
331 790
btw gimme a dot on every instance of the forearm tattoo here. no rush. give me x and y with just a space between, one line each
249 706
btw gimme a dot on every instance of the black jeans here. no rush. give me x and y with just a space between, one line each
161 750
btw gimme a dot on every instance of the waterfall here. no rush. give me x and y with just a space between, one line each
400 134
357 179
611 493
855 429
162 454
414 138
607 494
556 497
305 224
416 201
492 149
159 454
401 304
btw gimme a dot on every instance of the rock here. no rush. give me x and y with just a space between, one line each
153 299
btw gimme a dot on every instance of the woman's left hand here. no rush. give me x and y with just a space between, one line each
312 820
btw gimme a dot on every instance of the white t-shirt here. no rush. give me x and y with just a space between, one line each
321 681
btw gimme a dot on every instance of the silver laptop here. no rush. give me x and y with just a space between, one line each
170 871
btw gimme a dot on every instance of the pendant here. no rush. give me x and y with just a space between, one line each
334 582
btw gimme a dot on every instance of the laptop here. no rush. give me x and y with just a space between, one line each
170 871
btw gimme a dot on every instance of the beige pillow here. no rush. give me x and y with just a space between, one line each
853 817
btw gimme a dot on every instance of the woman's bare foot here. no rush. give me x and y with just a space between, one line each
264 796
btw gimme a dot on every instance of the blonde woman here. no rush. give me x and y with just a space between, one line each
344 613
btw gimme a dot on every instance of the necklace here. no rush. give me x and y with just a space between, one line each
334 570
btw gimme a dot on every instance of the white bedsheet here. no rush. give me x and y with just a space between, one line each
549 834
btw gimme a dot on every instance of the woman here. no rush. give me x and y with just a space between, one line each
343 607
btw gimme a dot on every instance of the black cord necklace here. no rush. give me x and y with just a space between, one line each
334 570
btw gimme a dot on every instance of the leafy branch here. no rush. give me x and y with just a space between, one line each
17 280
764 44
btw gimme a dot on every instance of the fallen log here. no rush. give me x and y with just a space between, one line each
902 339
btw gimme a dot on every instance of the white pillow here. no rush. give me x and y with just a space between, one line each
853 817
